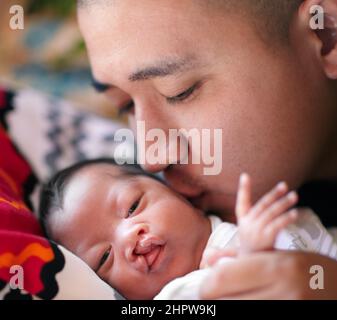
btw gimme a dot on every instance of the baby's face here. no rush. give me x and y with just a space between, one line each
136 233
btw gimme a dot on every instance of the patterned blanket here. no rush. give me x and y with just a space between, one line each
31 266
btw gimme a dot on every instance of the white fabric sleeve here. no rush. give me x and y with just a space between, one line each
308 234
184 288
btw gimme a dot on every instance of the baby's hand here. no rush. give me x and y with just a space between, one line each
260 224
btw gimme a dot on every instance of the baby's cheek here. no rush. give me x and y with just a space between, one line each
132 284
141 289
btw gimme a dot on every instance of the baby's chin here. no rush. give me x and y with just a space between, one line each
150 288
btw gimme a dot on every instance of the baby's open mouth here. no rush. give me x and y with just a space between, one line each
149 249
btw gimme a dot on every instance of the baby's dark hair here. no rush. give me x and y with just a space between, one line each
51 195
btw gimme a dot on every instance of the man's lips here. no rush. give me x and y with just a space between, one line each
181 184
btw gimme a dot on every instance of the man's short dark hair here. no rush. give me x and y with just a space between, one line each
272 17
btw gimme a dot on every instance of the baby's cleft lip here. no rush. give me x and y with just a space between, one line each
147 251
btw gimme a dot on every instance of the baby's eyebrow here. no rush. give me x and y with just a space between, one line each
110 175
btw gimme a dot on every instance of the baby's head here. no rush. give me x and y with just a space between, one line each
134 231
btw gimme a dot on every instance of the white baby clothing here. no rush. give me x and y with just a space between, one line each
307 234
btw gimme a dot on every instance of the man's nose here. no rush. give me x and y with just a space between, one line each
155 161
158 142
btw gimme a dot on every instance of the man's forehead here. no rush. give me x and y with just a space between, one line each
121 43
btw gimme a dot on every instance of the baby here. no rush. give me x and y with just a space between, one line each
138 235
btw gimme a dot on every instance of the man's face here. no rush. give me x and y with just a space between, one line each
136 233
186 65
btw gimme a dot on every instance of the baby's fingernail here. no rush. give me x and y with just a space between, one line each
292 196
282 186
244 177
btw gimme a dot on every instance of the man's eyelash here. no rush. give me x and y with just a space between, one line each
171 100
182 96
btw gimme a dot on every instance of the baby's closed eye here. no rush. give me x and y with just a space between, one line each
104 259
133 208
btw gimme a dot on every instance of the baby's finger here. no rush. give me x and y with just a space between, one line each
273 229
278 208
243 201
267 200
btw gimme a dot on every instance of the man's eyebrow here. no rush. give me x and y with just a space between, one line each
162 69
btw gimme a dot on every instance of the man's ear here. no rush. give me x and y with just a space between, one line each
323 25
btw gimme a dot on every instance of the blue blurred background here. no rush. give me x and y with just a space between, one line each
48 54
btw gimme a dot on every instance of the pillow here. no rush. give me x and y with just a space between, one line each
53 133
31 266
